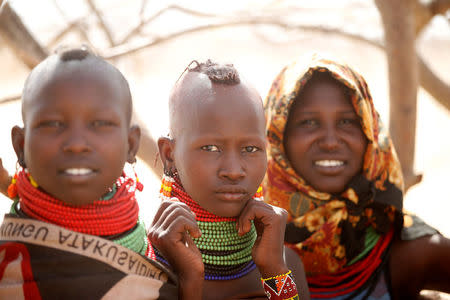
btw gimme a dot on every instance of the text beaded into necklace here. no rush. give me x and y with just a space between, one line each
115 216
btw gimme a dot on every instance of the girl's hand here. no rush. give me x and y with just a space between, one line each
5 179
270 223
171 231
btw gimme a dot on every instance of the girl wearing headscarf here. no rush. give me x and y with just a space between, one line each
333 167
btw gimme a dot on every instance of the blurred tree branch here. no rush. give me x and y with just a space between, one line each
400 35
10 99
102 22
427 78
75 25
18 38
425 11
143 22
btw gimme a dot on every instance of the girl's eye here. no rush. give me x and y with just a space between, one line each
100 123
308 123
250 149
349 121
51 124
210 148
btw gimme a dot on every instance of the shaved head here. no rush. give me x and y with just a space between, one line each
76 66
200 86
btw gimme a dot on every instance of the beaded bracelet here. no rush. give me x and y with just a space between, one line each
280 287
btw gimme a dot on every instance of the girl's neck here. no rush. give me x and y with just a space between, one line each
105 217
225 254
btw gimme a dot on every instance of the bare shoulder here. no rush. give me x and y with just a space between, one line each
295 264
419 264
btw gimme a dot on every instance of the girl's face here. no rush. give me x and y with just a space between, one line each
220 152
77 137
323 138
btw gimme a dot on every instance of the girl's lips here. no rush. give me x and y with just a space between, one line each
79 175
231 189
329 163
231 196
329 167
78 171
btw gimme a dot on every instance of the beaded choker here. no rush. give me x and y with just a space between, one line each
115 216
225 254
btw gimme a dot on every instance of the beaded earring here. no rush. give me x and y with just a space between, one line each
32 181
139 185
23 167
167 182
259 194
12 187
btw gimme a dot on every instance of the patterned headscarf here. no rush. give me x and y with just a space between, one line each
331 232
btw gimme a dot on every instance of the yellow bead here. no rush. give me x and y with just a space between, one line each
33 182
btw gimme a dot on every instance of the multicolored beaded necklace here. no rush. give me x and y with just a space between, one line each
225 254
115 216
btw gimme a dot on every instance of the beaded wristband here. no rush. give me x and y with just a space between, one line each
280 287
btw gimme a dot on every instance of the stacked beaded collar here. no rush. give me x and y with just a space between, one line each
225 254
115 216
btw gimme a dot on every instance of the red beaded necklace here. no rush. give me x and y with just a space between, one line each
200 213
102 218
171 187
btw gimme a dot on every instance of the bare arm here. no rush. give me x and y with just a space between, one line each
270 223
295 264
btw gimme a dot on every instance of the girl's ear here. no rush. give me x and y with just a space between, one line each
134 137
166 148
18 141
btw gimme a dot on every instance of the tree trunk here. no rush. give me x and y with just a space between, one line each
399 34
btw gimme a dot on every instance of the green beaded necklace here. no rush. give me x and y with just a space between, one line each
135 240
223 237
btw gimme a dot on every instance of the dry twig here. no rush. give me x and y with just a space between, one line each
71 25
102 23
10 99
439 89
144 22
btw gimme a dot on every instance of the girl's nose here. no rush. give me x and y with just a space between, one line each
232 167
329 140
76 141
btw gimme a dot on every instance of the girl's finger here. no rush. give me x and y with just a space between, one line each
182 225
167 209
251 211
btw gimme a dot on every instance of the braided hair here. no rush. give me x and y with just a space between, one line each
217 73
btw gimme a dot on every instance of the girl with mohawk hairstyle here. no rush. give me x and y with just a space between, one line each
214 162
